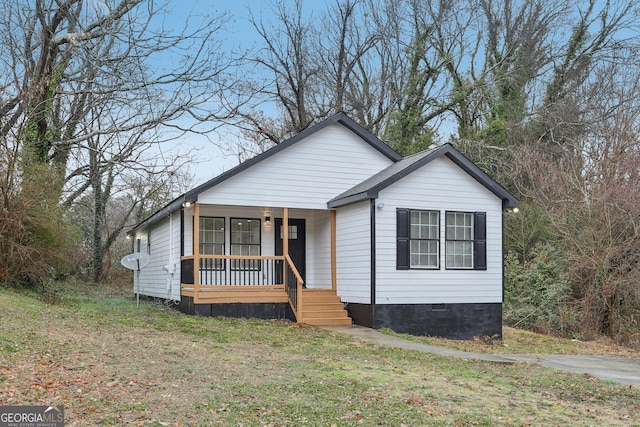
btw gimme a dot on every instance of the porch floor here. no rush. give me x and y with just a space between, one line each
237 294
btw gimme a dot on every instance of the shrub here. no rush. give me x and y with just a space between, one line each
537 292
37 244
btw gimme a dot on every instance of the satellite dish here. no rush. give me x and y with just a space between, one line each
135 261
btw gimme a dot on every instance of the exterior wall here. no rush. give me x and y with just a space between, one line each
161 277
453 321
441 186
318 249
305 175
353 253
318 236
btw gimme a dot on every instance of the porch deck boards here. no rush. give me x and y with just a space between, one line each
237 294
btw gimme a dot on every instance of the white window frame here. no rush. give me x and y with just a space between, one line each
424 239
459 240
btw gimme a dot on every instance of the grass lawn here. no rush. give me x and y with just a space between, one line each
518 341
110 363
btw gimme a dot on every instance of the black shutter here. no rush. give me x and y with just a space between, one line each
480 241
403 234
186 271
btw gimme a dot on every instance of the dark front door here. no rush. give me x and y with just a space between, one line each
296 243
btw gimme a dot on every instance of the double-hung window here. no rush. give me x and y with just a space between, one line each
418 239
212 241
425 239
465 240
459 240
245 241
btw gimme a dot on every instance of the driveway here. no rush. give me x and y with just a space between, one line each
616 369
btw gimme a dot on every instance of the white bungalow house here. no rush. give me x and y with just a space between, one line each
332 227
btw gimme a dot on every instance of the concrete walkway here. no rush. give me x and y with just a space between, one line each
616 369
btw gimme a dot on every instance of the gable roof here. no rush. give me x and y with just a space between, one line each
191 196
370 188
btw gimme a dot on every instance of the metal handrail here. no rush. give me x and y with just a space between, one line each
293 285
232 270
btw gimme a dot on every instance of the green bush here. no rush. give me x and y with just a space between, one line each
537 292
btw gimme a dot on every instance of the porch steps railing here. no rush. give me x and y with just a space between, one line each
322 307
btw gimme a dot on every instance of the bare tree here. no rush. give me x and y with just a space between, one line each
588 190
89 90
288 62
311 66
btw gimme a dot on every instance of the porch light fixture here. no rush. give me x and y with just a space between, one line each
267 221
186 204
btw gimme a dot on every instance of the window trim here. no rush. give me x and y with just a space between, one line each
415 239
454 240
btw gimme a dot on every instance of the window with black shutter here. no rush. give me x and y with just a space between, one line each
418 239
466 241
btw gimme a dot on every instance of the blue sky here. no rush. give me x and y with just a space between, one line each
240 34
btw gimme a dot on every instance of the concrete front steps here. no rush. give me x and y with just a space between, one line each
323 307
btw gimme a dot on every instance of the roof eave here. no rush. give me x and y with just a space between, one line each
508 200
354 198
173 206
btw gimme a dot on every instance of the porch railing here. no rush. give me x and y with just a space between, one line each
249 271
232 270
293 285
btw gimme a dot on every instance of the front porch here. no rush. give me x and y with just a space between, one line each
268 286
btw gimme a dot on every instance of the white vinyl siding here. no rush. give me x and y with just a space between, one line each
161 277
353 252
439 186
307 174
318 248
